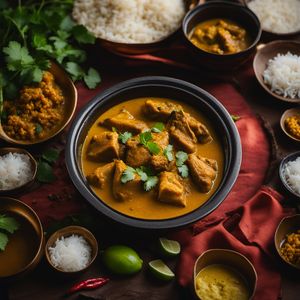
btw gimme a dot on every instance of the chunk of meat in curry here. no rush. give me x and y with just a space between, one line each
102 176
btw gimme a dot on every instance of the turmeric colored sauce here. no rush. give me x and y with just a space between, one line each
220 36
144 205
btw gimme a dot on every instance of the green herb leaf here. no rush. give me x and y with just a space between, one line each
235 118
124 137
128 174
150 183
51 155
45 172
145 137
67 23
114 129
82 35
92 78
3 241
141 172
38 128
183 171
153 148
181 157
75 70
168 152
8 223
158 127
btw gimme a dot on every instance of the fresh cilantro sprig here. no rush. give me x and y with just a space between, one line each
168 152
181 157
146 140
158 127
128 174
123 137
8 225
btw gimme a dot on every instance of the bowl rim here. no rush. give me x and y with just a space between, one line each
243 8
159 81
41 237
284 219
281 176
72 229
282 121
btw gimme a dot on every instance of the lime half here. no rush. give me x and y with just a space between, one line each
160 270
169 247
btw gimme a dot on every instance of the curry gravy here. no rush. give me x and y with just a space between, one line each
145 204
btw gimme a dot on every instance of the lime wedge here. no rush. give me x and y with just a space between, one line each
169 247
160 270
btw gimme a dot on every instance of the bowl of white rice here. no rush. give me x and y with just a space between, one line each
289 173
71 250
131 27
17 170
277 69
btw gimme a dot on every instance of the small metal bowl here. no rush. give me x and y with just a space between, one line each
66 232
289 113
27 241
267 52
70 93
286 226
284 161
229 258
33 162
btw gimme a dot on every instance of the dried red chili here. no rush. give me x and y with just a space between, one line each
88 284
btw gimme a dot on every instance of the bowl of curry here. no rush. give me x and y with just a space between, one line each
154 152
41 110
221 35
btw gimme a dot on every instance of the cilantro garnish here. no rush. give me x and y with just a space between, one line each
183 171
158 127
9 225
168 152
181 157
235 118
128 174
150 183
145 139
38 128
124 137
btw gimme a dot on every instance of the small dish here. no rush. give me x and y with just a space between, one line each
289 113
70 93
286 226
66 232
222 9
290 157
232 259
25 247
267 52
33 162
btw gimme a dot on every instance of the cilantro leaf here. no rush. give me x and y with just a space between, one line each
38 128
235 118
3 241
75 70
128 174
67 23
92 78
51 155
141 172
183 171
181 157
45 172
153 148
124 137
158 127
168 152
82 35
150 183
145 137
8 223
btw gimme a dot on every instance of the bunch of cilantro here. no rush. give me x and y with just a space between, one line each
33 33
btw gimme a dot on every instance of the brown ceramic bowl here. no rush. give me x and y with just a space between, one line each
289 113
66 232
267 52
271 35
33 162
286 226
25 247
228 10
142 48
231 259
70 94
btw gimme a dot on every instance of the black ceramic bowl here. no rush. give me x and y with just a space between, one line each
222 9
284 161
155 87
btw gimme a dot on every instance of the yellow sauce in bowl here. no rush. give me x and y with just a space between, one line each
220 282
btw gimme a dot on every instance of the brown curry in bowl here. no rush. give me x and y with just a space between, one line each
153 158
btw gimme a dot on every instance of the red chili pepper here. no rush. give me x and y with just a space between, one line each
88 284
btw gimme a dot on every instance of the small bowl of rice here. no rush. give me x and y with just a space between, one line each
289 173
71 250
17 170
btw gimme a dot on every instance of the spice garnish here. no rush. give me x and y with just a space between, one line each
89 284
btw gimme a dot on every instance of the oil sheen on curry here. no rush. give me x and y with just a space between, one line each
220 36
153 158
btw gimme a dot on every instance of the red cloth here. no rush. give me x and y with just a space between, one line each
249 231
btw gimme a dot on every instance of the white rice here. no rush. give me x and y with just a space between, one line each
278 16
283 75
15 170
70 254
130 21
291 173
